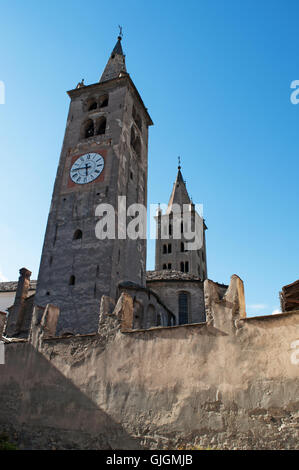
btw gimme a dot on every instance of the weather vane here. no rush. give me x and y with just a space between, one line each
179 160
120 32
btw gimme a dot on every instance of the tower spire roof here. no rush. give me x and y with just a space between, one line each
179 193
116 63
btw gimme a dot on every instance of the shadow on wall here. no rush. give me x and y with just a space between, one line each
45 410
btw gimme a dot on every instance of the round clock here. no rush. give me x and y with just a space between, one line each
87 168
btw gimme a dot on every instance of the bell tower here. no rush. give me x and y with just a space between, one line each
172 253
104 155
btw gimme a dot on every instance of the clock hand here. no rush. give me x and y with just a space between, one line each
86 168
82 168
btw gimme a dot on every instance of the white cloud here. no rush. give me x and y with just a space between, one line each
257 306
277 310
2 277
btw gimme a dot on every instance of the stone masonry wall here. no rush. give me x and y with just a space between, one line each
169 290
229 383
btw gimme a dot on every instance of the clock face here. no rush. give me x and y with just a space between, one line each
87 168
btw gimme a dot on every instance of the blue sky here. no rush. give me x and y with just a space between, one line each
215 77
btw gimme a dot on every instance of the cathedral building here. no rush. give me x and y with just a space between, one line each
104 156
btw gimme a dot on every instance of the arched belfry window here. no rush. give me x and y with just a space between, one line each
88 129
183 308
78 235
92 104
101 125
72 280
103 101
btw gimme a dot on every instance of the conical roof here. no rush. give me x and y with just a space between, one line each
179 193
116 63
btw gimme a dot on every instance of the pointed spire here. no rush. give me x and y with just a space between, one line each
116 63
118 47
179 193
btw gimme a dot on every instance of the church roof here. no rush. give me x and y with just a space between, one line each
170 275
179 193
11 286
116 63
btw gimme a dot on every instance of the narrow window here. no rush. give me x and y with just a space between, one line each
182 267
182 227
72 280
78 235
164 249
135 142
169 248
186 266
137 146
88 129
151 317
133 136
55 235
137 118
183 308
169 265
138 315
139 123
182 247
164 266
101 125
170 229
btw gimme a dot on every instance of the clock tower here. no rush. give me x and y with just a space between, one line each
104 156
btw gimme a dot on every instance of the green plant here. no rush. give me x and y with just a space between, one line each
5 444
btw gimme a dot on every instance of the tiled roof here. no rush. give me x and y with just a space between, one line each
170 276
12 286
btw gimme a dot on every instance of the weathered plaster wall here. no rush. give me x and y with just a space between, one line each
227 383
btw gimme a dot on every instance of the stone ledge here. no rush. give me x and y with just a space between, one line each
155 328
271 317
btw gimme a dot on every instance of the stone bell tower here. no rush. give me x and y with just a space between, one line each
172 253
104 156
